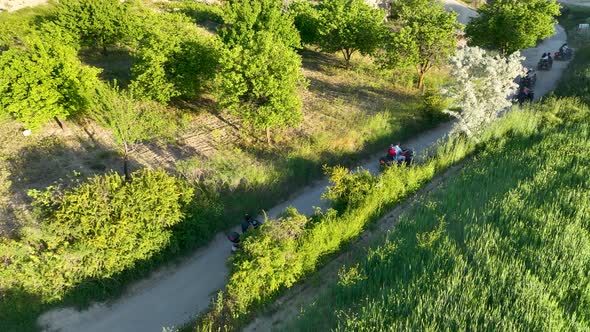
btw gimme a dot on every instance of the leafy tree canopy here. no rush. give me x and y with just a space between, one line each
510 25
427 36
306 18
349 26
244 19
259 69
173 58
98 23
42 79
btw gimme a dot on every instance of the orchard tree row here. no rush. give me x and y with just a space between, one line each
250 64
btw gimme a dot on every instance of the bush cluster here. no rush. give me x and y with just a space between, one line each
93 231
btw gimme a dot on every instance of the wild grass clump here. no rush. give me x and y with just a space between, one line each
503 246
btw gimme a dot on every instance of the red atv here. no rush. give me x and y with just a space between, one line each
388 161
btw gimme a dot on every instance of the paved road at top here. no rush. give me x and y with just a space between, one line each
174 294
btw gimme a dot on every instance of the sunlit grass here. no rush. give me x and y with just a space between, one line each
504 245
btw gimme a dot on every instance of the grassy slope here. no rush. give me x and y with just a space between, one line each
505 245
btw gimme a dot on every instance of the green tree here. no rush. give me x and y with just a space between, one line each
41 79
510 25
172 58
306 18
348 26
98 23
131 121
245 19
427 36
260 72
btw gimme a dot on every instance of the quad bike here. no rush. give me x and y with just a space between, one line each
564 55
234 238
524 96
387 161
529 80
544 64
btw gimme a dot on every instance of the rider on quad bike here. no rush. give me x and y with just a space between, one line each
565 53
234 238
249 222
397 154
546 62
529 79
525 94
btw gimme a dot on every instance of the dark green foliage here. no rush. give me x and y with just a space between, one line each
95 230
202 13
98 23
576 81
348 26
260 71
306 19
43 79
510 25
426 38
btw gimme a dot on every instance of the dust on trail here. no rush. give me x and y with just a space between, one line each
173 295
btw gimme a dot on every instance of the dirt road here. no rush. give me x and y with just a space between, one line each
175 294
465 13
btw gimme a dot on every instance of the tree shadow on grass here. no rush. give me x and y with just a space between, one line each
366 97
116 64
317 61
50 160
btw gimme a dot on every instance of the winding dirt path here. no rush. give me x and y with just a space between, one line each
175 294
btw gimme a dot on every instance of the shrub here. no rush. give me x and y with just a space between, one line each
93 231
98 23
348 188
42 80
306 19
484 85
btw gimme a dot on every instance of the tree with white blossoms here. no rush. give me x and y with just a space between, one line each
484 85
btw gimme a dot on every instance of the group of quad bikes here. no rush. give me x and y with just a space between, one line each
527 82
